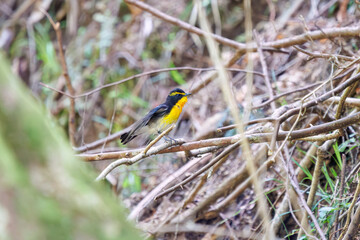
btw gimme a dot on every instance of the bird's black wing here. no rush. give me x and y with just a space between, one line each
156 113
151 117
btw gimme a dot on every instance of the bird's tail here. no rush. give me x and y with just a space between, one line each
127 137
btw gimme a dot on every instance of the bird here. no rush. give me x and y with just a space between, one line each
160 118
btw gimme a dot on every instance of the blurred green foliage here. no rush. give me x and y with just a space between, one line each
176 76
50 194
50 67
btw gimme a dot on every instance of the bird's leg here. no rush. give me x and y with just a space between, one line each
170 139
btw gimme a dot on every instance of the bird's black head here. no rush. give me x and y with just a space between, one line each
175 95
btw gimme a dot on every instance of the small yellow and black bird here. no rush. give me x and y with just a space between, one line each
159 118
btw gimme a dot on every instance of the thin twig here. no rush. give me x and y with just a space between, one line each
140 156
238 177
200 171
190 197
295 184
242 48
347 92
321 156
352 205
186 26
324 55
321 98
264 69
339 195
158 138
353 227
136 212
72 126
305 163
145 74
285 94
56 90
260 120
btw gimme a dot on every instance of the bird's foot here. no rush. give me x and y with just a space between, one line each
171 140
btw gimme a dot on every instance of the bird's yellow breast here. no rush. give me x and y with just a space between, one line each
173 115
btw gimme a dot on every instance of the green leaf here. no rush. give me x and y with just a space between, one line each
337 154
324 212
344 145
305 170
176 76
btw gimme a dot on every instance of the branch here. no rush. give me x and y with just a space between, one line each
274 98
354 226
265 69
145 74
225 141
158 138
201 170
322 98
183 25
136 212
72 126
308 36
242 48
130 161
346 231
321 156
117 135
324 55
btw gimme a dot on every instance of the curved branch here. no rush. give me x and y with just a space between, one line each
242 48
138 157
73 96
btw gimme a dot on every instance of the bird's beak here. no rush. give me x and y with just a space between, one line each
188 94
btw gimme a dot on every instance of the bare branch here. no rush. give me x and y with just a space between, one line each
145 74
72 126
130 161
225 141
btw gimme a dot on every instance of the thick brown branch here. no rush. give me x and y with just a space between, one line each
225 141
242 48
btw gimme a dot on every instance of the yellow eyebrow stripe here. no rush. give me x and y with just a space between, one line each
177 93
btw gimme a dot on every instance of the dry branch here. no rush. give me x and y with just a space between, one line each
305 163
72 126
324 55
242 48
346 231
138 157
321 98
136 212
321 156
225 141
186 26
192 194
200 171
145 74
265 70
